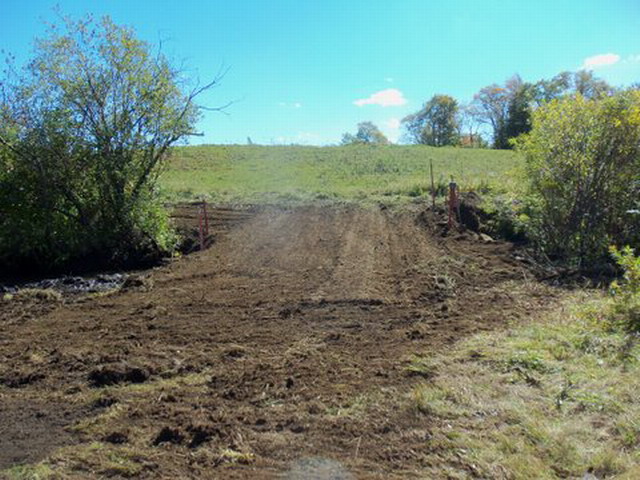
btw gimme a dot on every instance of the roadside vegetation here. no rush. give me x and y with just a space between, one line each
551 398
547 400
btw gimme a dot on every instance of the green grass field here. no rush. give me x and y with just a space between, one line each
296 174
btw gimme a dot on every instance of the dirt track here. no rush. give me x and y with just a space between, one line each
281 348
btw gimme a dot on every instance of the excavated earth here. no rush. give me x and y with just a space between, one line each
279 352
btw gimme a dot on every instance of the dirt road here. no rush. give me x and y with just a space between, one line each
281 350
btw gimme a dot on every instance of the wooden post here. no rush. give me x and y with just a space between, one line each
206 219
453 202
201 225
433 186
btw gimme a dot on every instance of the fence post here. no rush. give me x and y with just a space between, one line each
206 219
201 227
433 186
453 202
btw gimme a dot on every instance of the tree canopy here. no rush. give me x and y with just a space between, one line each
436 123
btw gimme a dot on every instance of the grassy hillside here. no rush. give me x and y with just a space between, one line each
294 174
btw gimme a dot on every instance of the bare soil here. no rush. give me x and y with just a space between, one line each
279 351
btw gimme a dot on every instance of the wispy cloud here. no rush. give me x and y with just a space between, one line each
388 79
391 97
600 61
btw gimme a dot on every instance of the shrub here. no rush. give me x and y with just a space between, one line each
85 129
625 309
583 159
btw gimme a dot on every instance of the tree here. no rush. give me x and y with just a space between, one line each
518 113
368 133
85 129
468 128
490 106
566 84
546 90
589 86
436 123
506 109
583 164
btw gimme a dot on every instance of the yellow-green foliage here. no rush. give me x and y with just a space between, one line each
625 307
583 164
295 174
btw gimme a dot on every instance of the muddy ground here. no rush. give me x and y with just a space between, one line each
280 351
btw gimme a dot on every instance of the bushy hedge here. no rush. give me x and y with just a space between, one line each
583 165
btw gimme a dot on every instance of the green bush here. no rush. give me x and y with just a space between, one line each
583 165
625 309
85 129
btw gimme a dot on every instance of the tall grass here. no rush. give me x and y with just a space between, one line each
295 174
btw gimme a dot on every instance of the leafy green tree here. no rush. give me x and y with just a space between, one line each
368 133
490 106
85 129
504 108
588 85
436 123
546 90
518 119
566 84
583 163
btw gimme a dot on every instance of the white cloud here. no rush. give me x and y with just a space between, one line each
388 79
391 97
599 61
297 105
393 123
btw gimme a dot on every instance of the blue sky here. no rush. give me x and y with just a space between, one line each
305 71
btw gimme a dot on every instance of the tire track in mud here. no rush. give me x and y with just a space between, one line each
290 318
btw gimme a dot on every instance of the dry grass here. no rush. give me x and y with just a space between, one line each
35 294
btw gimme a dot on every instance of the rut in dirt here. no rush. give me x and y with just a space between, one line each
291 316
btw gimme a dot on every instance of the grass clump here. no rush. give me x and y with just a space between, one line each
28 472
37 294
